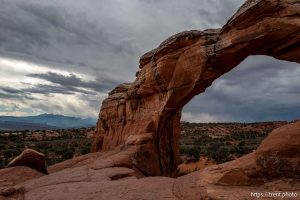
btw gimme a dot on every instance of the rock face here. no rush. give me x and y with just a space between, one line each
10 177
30 158
274 166
146 113
279 154
110 175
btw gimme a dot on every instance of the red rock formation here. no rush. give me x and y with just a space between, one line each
107 175
138 128
274 166
12 176
147 112
279 154
30 158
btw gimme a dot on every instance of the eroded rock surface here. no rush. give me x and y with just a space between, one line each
10 177
147 112
30 158
279 154
102 175
259 171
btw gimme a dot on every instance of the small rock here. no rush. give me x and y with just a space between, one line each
30 158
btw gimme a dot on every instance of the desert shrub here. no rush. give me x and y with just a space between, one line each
183 150
67 154
190 151
221 155
194 152
11 152
59 150
85 150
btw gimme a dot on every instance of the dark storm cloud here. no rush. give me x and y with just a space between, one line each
62 36
20 32
72 81
104 40
101 35
56 89
293 90
11 93
259 89
43 89
33 26
258 68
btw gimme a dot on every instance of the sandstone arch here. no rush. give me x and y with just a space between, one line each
146 113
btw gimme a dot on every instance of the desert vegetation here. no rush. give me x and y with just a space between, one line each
222 142
212 142
57 145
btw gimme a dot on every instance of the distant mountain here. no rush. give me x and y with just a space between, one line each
44 121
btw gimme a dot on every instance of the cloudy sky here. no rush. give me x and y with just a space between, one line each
63 56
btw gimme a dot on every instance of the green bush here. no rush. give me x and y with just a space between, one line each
194 152
190 151
67 154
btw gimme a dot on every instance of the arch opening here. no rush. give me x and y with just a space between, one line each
239 110
261 88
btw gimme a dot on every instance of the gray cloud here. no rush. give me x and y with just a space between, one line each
54 89
43 89
108 37
72 82
259 89
11 93
104 39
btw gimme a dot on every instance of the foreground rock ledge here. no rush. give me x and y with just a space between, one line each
146 113
110 175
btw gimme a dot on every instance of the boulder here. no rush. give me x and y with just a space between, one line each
30 158
278 156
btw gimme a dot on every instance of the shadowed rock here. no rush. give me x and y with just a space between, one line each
30 158
279 155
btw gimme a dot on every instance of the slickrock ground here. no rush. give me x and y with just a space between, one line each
139 124
12 176
108 175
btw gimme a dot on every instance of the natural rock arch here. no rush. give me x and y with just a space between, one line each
146 113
